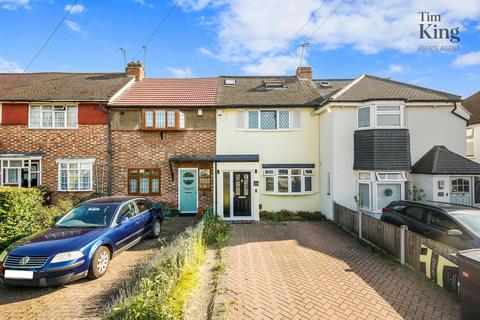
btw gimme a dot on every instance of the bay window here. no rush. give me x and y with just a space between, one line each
53 117
381 116
162 119
269 120
375 190
288 181
75 174
144 181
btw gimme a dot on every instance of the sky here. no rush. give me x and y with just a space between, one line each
203 38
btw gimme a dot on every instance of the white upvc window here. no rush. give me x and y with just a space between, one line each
53 117
384 116
375 190
470 142
288 181
75 174
269 120
23 172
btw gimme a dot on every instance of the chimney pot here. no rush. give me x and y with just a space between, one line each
304 73
135 69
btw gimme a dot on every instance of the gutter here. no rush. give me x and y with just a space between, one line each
455 107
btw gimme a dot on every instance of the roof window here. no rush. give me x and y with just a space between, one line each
325 84
274 83
229 82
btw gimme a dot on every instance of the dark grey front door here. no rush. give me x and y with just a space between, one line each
242 194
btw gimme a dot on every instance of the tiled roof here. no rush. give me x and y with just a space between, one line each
170 92
440 160
251 91
55 86
370 88
472 104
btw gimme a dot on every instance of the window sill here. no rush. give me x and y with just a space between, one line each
69 128
288 194
269 130
374 128
162 129
89 190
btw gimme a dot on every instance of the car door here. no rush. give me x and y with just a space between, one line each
413 217
124 233
144 218
437 225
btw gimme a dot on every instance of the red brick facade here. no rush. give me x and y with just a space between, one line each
143 149
88 141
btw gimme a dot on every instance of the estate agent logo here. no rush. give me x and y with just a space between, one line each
430 28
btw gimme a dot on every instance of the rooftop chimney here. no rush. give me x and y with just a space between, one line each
304 73
135 69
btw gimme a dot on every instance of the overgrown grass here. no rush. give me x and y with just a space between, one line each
161 288
286 215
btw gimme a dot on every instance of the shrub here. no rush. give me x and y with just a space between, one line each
22 213
215 231
287 215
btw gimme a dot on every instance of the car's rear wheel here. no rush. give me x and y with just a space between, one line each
99 263
156 228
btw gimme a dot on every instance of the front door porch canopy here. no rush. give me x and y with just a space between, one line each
440 160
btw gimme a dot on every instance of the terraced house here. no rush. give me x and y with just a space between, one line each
54 130
237 144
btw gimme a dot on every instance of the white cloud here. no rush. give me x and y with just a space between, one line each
180 72
14 4
250 30
143 3
395 68
278 65
469 59
196 5
73 25
74 8
9 66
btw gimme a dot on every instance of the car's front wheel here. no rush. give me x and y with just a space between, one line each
156 228
99 263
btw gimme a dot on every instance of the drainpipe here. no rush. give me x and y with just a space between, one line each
215 187
110 156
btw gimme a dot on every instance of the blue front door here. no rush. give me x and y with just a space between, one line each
188 193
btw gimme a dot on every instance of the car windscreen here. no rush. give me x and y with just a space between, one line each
88 216
470 221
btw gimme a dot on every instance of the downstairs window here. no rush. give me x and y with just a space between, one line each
288 181
144 181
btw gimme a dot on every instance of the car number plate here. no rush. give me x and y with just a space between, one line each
18 274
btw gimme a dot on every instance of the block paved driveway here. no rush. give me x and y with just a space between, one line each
84 299
309 270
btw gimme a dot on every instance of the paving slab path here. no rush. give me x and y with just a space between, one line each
311 270
84 299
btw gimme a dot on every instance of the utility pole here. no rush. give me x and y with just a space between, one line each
304 49
124 56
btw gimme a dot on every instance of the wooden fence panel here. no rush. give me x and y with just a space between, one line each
413 246
381 234
346 218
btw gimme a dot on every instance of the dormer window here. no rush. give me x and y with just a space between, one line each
381 116
163 119
274 83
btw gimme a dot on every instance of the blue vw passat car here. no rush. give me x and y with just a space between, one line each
82 243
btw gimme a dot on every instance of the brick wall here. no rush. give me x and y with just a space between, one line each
88 141
142 149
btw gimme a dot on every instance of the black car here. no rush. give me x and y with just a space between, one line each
454 225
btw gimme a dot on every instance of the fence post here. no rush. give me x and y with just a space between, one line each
360 224
403 239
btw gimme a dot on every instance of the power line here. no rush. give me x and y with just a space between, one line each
313 33
157 28
295 34
50 36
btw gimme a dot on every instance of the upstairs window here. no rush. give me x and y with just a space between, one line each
381 116
269 120
53 117
470 143
163 119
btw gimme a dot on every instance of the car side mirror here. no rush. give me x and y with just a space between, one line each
56 219
455 233
123 219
